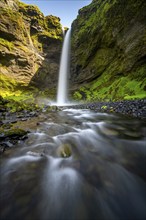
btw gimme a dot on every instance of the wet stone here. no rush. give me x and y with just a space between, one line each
84 174
64 150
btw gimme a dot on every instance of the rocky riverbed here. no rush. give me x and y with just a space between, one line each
14 126
11 131
136 108
79 163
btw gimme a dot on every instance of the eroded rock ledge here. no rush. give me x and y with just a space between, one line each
30 47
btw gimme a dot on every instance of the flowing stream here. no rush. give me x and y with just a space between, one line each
76 165
64 70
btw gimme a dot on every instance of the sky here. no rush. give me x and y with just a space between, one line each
66 10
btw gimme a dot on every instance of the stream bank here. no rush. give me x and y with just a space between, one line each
15 126
132 108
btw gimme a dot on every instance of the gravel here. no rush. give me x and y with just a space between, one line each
136 108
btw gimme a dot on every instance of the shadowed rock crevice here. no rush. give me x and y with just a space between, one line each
46 77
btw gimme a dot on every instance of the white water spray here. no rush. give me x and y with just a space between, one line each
64 70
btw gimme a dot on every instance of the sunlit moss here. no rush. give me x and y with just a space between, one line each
31 10
118 88
104 107
13 132
7 82
36 43
12 16
77 96
9 45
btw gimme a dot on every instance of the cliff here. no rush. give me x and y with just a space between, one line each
109 51
30 47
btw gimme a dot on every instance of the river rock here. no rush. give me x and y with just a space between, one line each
64 150
10 137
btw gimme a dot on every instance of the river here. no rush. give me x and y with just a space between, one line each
76 165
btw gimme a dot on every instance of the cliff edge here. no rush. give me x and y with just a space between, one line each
30 48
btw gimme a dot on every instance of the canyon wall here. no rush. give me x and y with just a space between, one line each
30 47
109 51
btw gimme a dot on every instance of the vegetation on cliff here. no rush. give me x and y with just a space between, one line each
109 51
30 47
108 60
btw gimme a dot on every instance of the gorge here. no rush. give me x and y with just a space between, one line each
107 51
84 161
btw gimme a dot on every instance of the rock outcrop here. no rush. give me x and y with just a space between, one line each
30 47
109 51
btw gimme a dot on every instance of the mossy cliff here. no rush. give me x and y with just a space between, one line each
30 47
108 60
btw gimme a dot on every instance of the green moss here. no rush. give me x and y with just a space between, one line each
14 27
112 87
22 4
65 150
21 100
7 83
50 25
23 48
111 57
53 21
9 15
12 133
17 33
49 34
29 10
9 45
77 95
139 96
104 107
22 104
18 97
36 43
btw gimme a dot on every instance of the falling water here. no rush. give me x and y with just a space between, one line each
64 71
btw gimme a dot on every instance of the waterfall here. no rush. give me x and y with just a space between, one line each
64 70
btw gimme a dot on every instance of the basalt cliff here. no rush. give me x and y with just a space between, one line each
108 59
30 48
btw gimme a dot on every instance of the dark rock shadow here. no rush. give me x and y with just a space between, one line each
46 77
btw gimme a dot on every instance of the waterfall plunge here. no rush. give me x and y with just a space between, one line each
64 70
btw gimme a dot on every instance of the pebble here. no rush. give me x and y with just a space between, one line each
134 108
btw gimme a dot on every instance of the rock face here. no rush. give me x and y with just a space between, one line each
109 51
30 46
